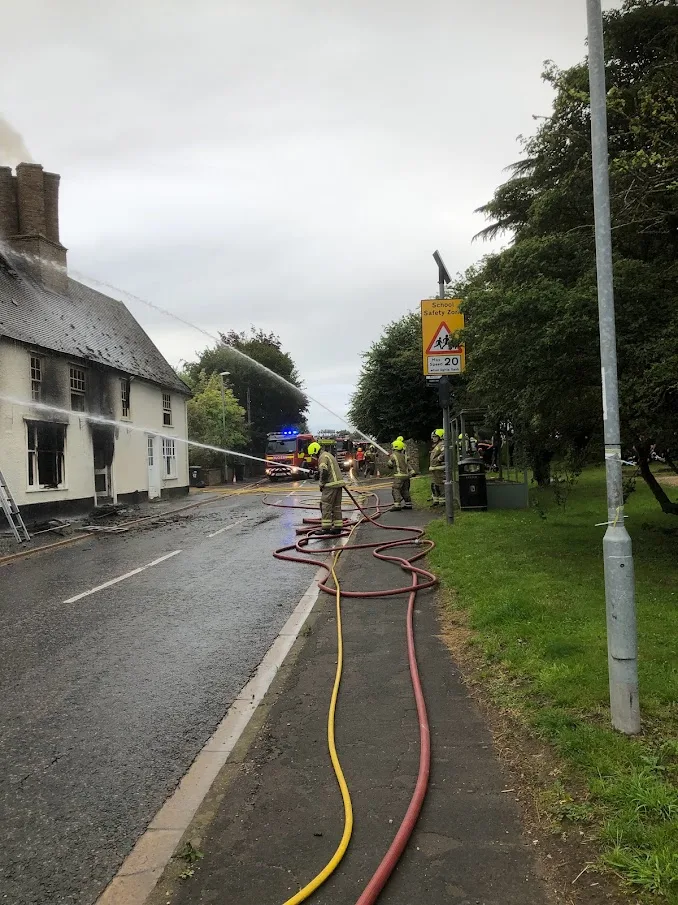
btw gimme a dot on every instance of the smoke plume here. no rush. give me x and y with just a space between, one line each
12 147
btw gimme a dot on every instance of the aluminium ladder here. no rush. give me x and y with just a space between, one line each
11 510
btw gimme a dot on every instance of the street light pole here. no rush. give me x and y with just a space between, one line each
444 391
617 551
223 374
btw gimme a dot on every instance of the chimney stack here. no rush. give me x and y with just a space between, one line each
9 215
29 223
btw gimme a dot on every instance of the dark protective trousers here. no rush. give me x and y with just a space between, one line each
401 491
438 484
330 507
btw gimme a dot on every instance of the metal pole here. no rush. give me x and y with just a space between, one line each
617 553
449 501
223 425
249 426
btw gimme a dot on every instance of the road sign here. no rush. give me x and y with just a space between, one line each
440 321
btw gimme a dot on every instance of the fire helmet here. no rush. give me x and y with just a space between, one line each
313 449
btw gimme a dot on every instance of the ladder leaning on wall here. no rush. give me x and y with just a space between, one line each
11 510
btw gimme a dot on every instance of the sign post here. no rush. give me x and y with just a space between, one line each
443 356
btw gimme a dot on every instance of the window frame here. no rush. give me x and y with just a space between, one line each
126 398
167 410
77 386
169 459
36 367
33 449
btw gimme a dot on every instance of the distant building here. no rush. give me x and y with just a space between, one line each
64 345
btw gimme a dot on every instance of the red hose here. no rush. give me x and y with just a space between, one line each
388 863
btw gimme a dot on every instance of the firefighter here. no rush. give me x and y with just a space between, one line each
370 462
437 468
402 473
331 486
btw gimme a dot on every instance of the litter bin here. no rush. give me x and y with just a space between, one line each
195 477
472 485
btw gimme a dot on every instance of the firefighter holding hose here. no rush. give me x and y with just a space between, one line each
331 487
437 468
402 473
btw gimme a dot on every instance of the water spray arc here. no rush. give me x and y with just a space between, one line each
87 279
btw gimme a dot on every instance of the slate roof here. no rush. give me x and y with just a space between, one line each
84 323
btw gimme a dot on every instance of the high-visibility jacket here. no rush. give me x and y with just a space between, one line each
437 457
330 473
399 464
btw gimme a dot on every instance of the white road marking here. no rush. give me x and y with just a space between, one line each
227 527
108 584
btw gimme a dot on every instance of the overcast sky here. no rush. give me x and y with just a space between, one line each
286 163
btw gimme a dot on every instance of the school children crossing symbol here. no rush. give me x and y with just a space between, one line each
442 343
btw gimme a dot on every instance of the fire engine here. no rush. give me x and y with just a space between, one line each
287 447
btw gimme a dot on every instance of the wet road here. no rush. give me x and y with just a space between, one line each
107 697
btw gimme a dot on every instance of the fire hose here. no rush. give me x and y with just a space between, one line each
420 579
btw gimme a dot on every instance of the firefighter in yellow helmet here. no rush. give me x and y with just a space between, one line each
402 473
331 486
437 468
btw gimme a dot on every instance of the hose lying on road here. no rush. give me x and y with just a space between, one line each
421 578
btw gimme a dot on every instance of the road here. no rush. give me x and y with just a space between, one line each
107 694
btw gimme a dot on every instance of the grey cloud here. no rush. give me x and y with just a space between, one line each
288 164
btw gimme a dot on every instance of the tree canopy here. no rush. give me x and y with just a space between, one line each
213 420
272 403
531 310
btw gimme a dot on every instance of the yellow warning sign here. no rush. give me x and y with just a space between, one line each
441 320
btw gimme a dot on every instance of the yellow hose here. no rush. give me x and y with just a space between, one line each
334 861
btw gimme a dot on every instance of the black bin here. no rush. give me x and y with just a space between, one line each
195 477
472 485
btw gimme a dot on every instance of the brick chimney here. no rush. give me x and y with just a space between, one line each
29 222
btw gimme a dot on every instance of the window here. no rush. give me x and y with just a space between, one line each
151 452
46 443
124 397
167 410
36 378
77 389
169 457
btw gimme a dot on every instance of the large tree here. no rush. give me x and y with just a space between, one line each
274 403
531 310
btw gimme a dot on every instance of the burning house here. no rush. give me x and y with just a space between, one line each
69 354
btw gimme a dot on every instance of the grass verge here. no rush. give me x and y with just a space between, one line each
531 583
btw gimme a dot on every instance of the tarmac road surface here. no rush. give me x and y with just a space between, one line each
108 693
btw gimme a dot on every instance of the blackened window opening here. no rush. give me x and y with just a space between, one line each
46 442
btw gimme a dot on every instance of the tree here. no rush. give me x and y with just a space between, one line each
531 310
207 413
391 397
273 404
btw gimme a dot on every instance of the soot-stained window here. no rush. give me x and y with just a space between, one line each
46 444
78 386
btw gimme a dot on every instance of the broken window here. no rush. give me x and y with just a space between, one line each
46 442
124 396
36 378
77 389
169 457
167 410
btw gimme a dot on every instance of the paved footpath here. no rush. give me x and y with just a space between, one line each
274 817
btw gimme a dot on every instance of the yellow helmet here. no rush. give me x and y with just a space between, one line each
398 444
313 449
438 434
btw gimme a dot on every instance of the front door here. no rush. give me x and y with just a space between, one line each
153 468
103 448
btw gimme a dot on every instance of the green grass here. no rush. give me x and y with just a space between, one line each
532 585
